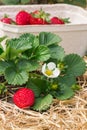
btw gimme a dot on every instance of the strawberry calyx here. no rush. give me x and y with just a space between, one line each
41 14
66 20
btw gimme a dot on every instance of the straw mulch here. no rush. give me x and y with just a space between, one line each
63 115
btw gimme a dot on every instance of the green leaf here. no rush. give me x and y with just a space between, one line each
16 77
42 53
24 42
16 46
57 52
76 2
34 87
68 80
3 66
76 65
30 53
25 1
48 38
27 65
3 55
11 53
28 37
35 42
1 51
66 93
41 83
10 2
42 104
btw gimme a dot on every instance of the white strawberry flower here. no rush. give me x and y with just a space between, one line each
50 70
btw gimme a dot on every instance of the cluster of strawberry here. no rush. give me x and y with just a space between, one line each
37 17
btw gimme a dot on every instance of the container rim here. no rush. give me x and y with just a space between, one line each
35 28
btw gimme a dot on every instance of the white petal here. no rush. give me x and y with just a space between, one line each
43 68
51 65
56 73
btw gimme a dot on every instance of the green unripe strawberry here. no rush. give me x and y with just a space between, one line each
54 87
76 87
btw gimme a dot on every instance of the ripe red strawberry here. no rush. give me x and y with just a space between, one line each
24 98
36 21
23 18
56 20
7 20
39 17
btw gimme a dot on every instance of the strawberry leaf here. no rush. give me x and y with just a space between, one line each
3 66
35 42
20 44
34 87
42 104
66 93
16 77
16 46
25 1
68 80
57 52
76 65
27 65
76 2
42 53
48 38
1 50
11 53
28 37
39 83
10 2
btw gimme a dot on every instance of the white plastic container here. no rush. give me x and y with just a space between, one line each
74 34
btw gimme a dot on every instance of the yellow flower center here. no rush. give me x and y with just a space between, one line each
49 72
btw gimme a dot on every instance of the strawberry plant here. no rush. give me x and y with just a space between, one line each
39 63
